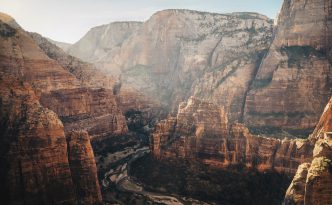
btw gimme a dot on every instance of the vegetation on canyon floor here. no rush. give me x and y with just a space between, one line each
236 185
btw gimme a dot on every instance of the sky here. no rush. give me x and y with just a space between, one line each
69 20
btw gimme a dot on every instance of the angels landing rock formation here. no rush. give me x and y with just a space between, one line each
201 131
39 164
62 84
35 166
312 184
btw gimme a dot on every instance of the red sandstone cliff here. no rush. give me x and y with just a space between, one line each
35 165
66 90
34 161
293 84
83 168
201 131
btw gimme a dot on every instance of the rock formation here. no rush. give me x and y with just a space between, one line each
294 83
34 161
83 168
62 82
178 52
86 73
35 165
94 110
102 41
201 132
313 182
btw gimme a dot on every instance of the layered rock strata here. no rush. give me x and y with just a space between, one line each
34 160
201 132
83 168
178 52
36 167
61 83
215 57
94 110
294 82
86 73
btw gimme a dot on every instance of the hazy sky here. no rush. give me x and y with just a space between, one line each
69 20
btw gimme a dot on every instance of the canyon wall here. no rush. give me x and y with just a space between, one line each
178 52
35 165
240 61
103 41
63 83
86 73
294 82
83 168
201 131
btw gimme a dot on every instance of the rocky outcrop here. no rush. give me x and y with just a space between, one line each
313 182
34 161
83 168
293 84
296 191
35 165
62 82
201 132
325 123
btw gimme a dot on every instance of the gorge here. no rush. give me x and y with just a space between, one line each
187 107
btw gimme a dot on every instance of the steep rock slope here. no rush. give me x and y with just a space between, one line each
102 41
83 168
177 49
35 165
201 132
86 73
22 57
34 162
218 58
294 82
313 182
94 110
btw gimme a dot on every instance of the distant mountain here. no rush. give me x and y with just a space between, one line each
238 60
62 45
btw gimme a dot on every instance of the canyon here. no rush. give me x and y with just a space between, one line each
217 93
243 62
